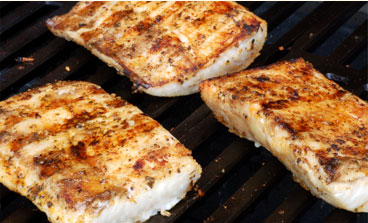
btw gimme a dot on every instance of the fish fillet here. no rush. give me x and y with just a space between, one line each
315 128
83 155
165 48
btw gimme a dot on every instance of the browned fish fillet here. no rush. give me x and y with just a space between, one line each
166 48
313 126
83 155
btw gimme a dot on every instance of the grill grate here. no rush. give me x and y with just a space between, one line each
241 183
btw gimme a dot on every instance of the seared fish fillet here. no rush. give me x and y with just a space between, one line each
165 48
315 128
83 155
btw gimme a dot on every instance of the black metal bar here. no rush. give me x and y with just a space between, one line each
199 132
8 6
101 76
290 37
19 14
22 215
122 88
248 193
156 108
326 65
277 13
340 216
3 5
13 74
66 68
212 173
335 15
291 207
198 115
251 5
29 34
352 45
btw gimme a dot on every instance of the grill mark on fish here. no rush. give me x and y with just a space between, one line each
80 155
324 128
125 36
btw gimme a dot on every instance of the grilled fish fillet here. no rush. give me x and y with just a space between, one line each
315 128
165 48
83 155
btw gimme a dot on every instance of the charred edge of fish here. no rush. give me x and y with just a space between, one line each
137 82
150 181
329 165
35 190
279 104
287 127
249 29
262 78
340 93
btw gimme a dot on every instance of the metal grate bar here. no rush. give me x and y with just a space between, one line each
290 36
158 107
277 13
340 216
28 35
21 215
347 78
122 88
19 14
15 73
212 173
199 132
60 72
352 45
328 21
4 192
101 76
4 5
248 193
291 207
191 121
252 5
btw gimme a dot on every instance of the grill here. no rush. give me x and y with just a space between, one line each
240 183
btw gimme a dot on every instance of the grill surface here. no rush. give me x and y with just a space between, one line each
241 183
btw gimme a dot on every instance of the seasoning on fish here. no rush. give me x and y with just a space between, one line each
165 48
318 130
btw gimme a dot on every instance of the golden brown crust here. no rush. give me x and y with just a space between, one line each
315 128
309 107
69 146
157 43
